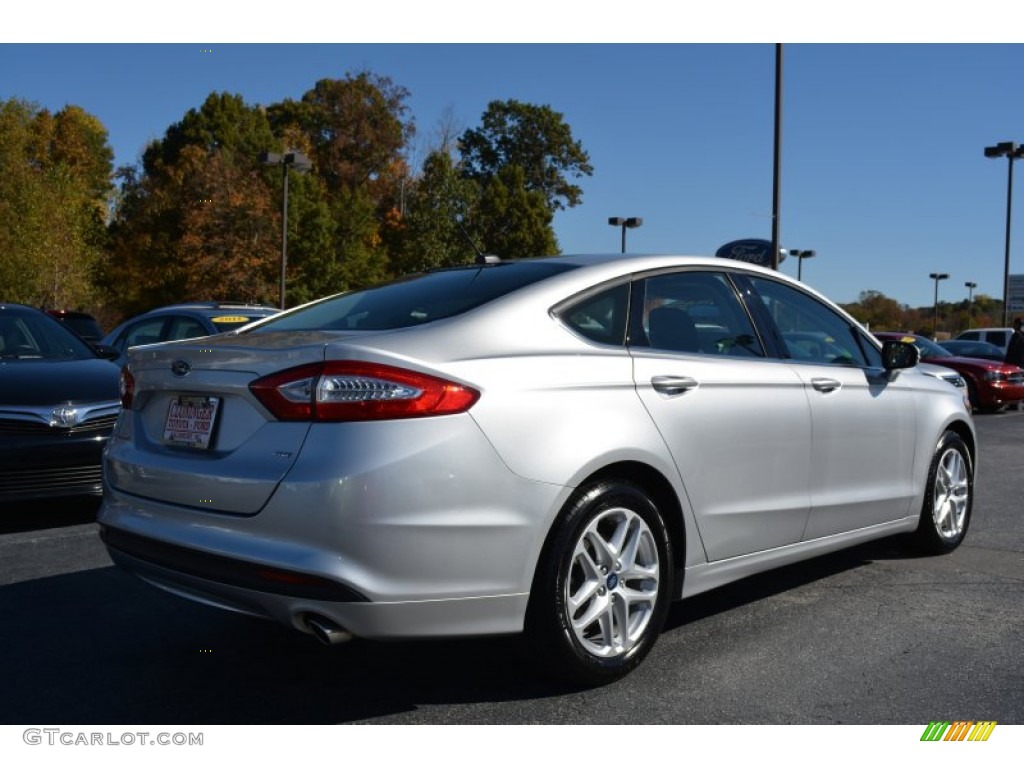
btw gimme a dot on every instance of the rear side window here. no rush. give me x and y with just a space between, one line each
415 300
601 318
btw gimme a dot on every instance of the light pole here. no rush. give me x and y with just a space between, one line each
800 256
936 276
301 164
970 300
1011 151
632 223
776 257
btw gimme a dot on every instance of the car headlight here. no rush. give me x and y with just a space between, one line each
995 376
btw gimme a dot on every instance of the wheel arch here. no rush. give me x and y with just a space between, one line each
654 483
966 434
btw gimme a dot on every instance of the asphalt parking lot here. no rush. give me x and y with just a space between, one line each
873 635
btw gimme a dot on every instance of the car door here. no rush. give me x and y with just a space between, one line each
736 421
863 417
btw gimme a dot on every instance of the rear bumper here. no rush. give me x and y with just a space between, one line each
490 615
439 539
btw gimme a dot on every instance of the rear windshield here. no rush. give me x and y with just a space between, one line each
416 300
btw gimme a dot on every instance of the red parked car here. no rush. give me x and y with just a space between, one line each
990 384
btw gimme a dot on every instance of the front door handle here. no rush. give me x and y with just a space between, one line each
673 385
826 385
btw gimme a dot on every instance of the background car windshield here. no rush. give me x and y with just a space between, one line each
929 348
415 300
28 336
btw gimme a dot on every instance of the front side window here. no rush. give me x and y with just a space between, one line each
693 312
811 331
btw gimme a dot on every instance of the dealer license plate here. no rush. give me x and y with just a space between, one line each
190 420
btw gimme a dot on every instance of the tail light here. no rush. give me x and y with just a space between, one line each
355 391
127 387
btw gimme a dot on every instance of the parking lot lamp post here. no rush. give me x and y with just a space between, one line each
1012 151
970 300
800 256
936 276
632 223
300 163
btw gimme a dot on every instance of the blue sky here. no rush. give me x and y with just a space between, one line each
882 167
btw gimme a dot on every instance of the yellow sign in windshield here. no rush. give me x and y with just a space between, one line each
230 319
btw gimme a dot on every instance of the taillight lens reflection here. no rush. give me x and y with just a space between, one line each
127 387
355 391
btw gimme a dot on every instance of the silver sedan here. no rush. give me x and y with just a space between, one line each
560 446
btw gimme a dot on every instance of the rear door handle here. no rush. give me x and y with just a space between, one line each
826 385
673 385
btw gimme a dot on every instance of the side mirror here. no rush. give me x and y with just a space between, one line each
899 354
106 352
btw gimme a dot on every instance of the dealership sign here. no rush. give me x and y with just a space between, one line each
1015 289
751 250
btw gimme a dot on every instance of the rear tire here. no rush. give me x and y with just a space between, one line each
948 498
601 591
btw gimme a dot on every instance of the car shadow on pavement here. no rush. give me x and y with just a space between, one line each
100 647
769 583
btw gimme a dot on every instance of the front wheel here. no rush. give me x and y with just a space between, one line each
946 512
601 591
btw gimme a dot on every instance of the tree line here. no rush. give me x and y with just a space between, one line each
882 313
200 216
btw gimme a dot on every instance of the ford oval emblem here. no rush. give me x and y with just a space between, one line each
181 367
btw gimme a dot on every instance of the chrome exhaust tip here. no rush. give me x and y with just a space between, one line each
326 631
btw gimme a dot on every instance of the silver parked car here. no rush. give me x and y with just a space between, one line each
558 445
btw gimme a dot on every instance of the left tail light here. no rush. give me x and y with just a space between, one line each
356 391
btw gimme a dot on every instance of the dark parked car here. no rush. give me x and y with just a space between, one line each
82 323
980 349
990 384
184 321
59 400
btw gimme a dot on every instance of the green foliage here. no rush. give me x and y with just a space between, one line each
225 124
434 234
514 220
534 138
54 195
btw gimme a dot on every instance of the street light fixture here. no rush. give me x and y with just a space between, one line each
970 301
632 223
936 276
300 164
800 256
1011 151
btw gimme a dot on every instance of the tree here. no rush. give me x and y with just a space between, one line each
513 219
201 220
433 231
534 138
879 312
356 128
54 195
